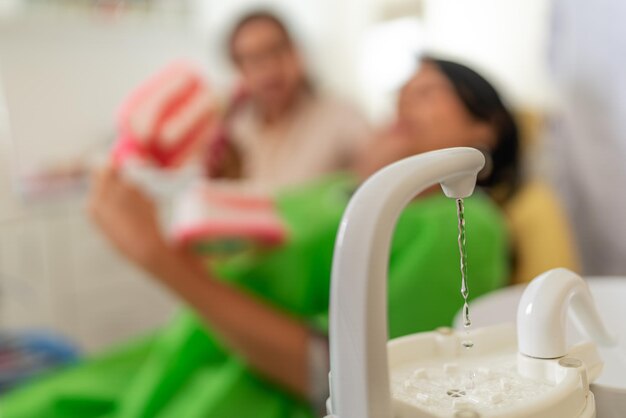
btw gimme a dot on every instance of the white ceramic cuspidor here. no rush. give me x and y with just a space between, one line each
431 374
609 293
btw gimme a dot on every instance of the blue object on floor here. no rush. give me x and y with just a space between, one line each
26 354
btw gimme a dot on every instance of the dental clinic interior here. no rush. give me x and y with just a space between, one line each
312 209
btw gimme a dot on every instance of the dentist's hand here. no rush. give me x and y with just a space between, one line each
127 217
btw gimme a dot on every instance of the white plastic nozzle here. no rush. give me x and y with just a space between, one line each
542 312
358 309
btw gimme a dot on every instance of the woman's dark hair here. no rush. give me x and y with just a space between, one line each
255 16
483 102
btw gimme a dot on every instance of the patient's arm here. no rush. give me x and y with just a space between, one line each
273 343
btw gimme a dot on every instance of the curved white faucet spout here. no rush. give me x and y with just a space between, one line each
542 312
358 308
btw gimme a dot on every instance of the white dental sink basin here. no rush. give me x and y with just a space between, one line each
609 294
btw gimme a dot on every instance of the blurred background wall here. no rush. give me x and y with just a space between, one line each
66 64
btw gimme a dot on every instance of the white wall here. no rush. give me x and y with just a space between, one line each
505 38
65 75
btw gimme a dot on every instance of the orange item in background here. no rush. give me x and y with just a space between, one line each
166 118
542 238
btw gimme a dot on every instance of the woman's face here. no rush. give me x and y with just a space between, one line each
430 116
270 66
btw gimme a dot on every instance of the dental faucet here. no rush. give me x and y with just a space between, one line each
358 307
542 313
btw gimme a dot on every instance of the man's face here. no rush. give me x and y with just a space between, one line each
269 65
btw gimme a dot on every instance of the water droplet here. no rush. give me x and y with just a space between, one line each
467 343
467 322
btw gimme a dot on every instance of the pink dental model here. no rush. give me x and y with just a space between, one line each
166 118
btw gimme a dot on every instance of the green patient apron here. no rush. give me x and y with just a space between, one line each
185 371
